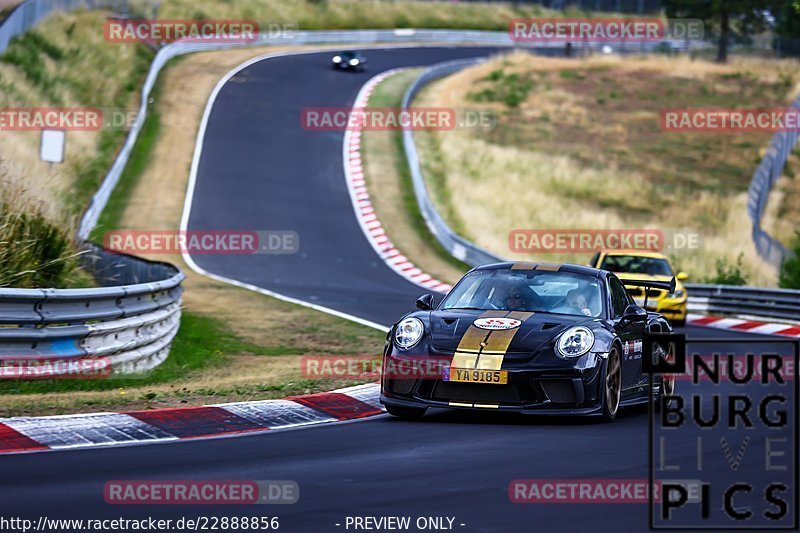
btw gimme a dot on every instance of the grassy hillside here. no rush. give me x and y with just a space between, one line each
64 62
343 14
578 144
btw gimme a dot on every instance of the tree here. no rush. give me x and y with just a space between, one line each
726 18
787 29
790 271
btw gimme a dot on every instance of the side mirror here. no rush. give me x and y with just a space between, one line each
634 313
425 302
682 276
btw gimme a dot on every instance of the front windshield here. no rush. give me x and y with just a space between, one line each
632 264
527 290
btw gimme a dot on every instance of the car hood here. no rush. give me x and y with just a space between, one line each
448 328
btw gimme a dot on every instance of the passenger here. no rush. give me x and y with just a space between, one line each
577 300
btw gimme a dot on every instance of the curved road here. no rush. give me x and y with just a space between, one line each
261 170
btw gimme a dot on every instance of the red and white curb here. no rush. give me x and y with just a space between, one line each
28 434
742 325
367 219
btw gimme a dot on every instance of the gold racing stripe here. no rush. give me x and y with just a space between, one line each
548 266
529 265
471 343
494 344
493 353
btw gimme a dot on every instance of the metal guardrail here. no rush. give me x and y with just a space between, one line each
767 173
754 301
130 322
455 244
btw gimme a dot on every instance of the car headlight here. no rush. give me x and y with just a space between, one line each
675 295
354 62
408 332
575 342
337 59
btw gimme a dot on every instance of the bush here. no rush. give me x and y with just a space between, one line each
35 251
790 271
728 274
510 89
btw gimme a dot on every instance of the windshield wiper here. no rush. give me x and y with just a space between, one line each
465 308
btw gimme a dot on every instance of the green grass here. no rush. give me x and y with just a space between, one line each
511 89
201 342
139 158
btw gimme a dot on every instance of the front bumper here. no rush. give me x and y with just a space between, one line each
575 388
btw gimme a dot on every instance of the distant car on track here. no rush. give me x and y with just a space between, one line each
648 266
527 337
349 61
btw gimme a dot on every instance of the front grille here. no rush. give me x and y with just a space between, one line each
655 294
514 394
559 390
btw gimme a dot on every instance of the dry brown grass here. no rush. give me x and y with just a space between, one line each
341 14
584 150
88 72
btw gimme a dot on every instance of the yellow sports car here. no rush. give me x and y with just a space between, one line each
647 266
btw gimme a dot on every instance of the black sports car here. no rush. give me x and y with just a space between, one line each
528 337
349 61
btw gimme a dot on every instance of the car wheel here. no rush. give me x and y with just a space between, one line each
406 412
612 390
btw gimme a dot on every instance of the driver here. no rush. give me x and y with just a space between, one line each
515 300
577 300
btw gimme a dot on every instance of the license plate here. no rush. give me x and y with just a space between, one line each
476 375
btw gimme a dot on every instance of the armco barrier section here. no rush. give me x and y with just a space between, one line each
459 247
130 323
765 176
753 301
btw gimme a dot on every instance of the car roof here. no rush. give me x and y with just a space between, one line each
635 253
553 267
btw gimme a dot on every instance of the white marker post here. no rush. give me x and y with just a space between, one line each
52 147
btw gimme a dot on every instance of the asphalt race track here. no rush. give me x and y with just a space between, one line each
261 170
